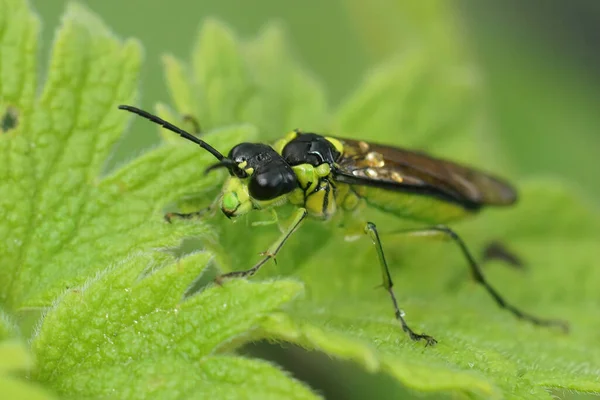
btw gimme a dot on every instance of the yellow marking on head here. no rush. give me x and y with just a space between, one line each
374 159
243 166
236 199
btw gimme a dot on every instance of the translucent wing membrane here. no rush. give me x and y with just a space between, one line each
398 169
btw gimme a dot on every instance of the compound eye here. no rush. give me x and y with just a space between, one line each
266 185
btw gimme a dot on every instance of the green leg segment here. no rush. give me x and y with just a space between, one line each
299 216
196 214
371 230
447 233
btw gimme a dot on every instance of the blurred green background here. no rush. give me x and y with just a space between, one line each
539 60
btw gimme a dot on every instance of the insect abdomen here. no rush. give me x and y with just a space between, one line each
412 206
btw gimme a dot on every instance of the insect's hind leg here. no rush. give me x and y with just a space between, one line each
445 232
371 230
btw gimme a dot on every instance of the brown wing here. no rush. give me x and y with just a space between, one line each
397 169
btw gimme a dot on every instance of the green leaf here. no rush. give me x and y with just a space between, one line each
58 149
258 81
8 328
18 44
391 26
14 356
105 347
65 220
289 97
220 376
221 75
15 359
416 104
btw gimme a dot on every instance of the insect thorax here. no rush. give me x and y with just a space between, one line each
312 157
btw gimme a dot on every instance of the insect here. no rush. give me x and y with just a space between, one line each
324 175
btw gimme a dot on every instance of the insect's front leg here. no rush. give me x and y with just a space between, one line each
196 214
271 253
371 230
192 215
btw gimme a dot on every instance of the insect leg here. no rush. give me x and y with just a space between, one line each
274 220
445 232
299 216
371 230
196 214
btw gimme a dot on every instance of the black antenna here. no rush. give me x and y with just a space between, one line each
173 128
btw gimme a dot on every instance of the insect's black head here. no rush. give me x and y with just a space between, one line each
252 156
270 176
310 148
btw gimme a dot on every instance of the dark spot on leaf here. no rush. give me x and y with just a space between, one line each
9 120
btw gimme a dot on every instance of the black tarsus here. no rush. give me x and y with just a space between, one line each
173 128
